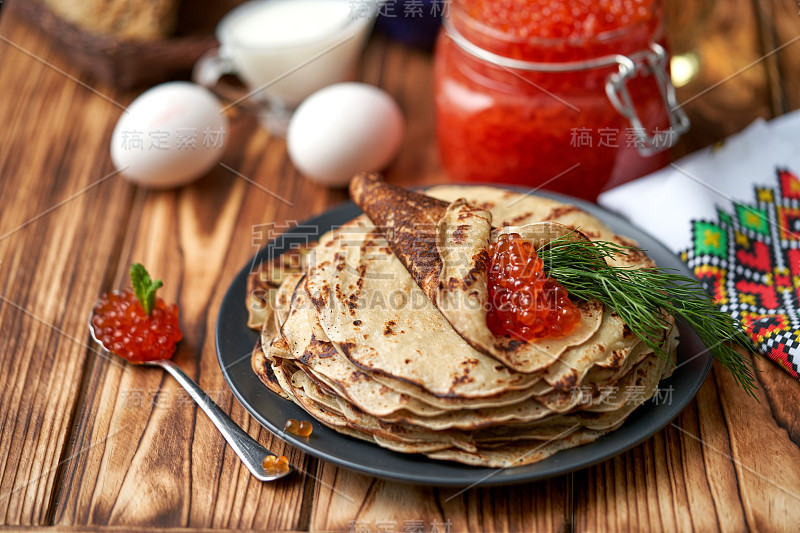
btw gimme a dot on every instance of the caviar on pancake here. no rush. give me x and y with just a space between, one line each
524 302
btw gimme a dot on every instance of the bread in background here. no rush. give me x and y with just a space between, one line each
142 20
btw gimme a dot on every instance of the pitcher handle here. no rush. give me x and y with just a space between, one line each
210 68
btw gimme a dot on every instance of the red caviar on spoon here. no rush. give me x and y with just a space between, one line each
143 329
524 302
134 323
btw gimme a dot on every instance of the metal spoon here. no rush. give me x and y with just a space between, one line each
249 451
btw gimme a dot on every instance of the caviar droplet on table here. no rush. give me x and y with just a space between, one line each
524 302
121 325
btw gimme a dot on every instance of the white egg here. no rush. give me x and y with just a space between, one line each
344 129
169 136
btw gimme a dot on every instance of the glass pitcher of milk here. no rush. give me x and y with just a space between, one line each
284 50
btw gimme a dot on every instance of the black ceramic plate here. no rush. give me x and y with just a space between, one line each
235 342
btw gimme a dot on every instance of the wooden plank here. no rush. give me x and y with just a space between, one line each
765 16
786 21
53 259
764 447
112 529
347 500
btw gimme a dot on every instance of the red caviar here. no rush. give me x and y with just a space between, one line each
121 325
525 302
275 463
558 19
302 428
538 127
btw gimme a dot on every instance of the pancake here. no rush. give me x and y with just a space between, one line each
266 278
374 393
381 335
262 366
510 454
366 394
444 247
463 239
376 315
312 399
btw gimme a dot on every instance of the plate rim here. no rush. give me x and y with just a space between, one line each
483 475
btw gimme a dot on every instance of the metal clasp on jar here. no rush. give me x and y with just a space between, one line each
653 62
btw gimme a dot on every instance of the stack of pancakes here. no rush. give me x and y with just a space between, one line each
378 331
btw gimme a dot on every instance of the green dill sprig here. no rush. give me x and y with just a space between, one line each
144 287
641 295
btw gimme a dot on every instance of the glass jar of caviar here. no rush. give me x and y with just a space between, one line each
567 95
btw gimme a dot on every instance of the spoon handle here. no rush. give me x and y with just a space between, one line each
251 452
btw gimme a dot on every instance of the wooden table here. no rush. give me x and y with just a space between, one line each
88 442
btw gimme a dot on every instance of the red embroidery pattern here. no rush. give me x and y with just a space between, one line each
749 261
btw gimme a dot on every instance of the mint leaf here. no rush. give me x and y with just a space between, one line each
144 287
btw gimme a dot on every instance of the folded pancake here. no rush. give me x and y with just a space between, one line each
326 415
519 453
444 246
262 366
463 238
320 358
624 395
264 281
356 419
375 314
327 409
281 299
